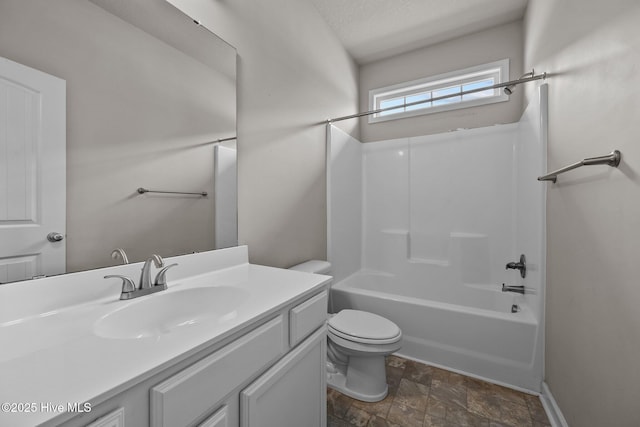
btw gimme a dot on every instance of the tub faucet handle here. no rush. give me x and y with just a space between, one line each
522 266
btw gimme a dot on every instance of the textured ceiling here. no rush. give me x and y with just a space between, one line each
376 29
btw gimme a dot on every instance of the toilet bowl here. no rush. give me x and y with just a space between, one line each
357 343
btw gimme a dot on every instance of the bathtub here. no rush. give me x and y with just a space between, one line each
470 330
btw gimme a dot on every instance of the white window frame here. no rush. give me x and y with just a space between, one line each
498 70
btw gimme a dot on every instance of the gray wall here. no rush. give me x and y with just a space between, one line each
592 50
293 73
501 42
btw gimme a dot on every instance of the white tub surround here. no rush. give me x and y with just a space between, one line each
59 345
437 218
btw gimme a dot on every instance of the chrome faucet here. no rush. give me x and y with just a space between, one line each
146 286
145 275
516 289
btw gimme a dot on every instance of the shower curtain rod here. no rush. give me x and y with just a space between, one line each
438 98
231 138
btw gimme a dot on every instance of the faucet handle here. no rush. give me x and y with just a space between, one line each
161 277
522 266
128 285
120 253
157 260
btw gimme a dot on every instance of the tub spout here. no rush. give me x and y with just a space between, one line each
516 289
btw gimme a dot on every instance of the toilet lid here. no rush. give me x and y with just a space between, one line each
356 325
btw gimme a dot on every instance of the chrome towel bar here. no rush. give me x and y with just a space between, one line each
612 160
144 190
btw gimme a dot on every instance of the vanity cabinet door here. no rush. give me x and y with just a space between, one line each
114 419
197 390
219 419
292 393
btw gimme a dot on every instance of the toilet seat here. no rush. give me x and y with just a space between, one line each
355 348
362 327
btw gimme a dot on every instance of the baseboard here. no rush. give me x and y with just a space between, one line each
551 408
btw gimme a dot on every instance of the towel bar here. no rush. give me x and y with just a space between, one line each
612 160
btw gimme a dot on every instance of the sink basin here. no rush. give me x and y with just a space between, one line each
167 312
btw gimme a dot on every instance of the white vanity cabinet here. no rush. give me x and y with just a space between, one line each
271 375
228 343
197 390
293 392
113 419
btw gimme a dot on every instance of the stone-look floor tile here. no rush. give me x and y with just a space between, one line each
503 393
426 396
336 422
337 403
482 403
357 417
411 394
515 415
536 410
379 409
439 374
431 421
449 393
478 385
396 362
405 416
508 395
394 375
380 422
459 417
456 379
436 408
419 373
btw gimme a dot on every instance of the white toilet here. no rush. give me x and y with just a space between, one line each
358 342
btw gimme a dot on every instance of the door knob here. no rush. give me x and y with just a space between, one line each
55 237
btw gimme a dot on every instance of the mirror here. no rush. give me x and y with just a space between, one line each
150 103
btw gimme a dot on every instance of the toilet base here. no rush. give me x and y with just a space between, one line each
338 382
364 379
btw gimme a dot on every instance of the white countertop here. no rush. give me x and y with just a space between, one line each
55 357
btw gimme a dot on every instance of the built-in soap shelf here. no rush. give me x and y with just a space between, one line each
438 262
456 248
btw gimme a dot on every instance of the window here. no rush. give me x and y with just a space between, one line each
441 85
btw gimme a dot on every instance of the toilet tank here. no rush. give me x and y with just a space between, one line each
313 266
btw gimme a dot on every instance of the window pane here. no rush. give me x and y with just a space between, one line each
446 91
448 86
478 85
391 103
416 98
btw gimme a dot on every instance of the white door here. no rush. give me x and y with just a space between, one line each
32 172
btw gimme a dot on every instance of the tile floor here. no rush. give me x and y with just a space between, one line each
425 396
